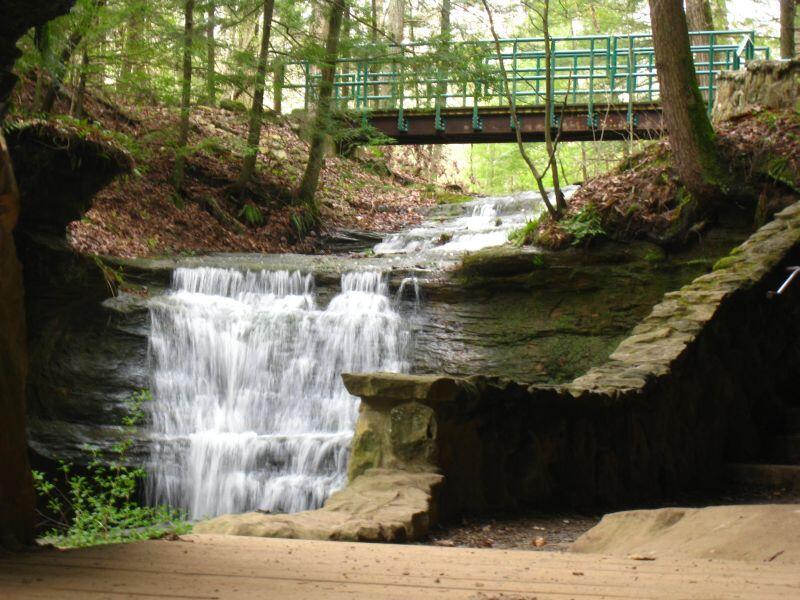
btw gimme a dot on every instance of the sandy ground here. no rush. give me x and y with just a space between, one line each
555 532
209 567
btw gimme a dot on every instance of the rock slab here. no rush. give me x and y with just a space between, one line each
379 506
759 533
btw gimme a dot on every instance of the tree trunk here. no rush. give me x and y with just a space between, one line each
691 135
257 112
74 40
186 96
561 203
446 31
396 20
538 177
42 40
699 16
788 12
306 193
133 46
211 56
376 15
279 74
319 21
80 93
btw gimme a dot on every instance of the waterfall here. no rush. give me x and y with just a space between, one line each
249 410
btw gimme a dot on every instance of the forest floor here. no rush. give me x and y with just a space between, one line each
140 214
643 197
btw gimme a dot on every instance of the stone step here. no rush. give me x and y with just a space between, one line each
771 476
785 449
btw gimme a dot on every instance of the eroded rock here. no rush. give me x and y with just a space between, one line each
380 505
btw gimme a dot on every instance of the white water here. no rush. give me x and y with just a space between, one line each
249 408
485 222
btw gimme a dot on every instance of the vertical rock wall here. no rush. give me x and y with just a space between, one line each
16 491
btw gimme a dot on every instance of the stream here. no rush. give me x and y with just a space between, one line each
249 408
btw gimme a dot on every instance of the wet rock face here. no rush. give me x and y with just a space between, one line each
768 84
88 353
548 317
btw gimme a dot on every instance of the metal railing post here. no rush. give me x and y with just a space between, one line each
590 116
630 82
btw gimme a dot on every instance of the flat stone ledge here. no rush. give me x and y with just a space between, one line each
757 533
381 505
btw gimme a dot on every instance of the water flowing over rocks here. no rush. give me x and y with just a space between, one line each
250 411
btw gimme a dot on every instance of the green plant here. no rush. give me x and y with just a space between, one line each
447 197
251 214
100 507
584 225
524 235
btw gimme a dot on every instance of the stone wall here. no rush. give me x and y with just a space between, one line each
768 84
680 396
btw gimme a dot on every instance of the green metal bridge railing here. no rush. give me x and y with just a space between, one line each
592 71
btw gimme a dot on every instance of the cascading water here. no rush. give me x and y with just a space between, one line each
249 409
485 222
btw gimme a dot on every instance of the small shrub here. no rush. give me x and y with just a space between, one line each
251 214
100 507
524 235
233 106
584 225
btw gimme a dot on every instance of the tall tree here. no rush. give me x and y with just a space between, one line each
561 203
134 43
699 16
396 20
538 176
186 95
788 13
59 67
691 135
211 54
257 111
306 193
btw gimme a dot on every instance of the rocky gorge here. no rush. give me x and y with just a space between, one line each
521 358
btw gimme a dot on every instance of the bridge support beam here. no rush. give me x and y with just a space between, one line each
457 126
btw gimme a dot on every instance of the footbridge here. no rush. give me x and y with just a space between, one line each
603 87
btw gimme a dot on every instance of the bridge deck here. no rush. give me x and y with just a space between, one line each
456 125
235 567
